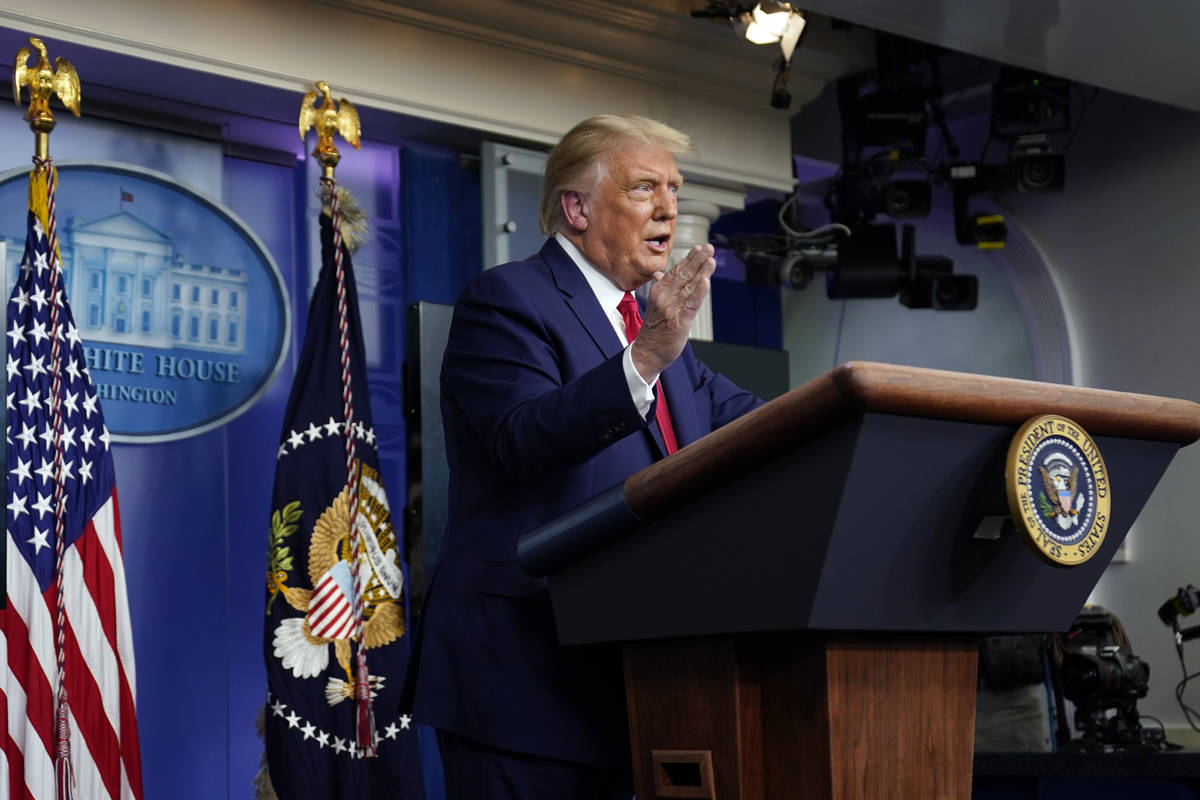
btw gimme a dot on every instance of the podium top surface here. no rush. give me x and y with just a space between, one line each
859 387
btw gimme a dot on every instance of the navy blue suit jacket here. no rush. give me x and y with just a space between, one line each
538 419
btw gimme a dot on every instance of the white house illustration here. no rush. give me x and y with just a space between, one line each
127 285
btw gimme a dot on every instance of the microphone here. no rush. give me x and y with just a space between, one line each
1183 603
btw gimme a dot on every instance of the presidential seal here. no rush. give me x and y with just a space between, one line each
1058 490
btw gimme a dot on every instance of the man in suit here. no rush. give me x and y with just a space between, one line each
545 404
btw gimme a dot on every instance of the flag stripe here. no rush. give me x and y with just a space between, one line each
22 728
107 522
96 574
107 569
94 654
27 656
95 737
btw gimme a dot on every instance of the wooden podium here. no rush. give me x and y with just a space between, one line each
800 594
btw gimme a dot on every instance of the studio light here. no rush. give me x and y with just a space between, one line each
768 22
772 22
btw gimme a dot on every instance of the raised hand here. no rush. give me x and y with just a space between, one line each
674 300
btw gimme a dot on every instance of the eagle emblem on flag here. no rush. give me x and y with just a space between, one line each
302 643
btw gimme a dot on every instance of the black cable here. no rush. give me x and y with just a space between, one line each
1167 745
1189 713
986 144
1082 111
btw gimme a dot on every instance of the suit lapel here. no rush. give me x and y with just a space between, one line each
580 299
582 302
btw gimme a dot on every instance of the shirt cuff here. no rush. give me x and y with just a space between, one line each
641 392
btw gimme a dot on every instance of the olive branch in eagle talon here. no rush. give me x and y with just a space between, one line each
279 557
43 82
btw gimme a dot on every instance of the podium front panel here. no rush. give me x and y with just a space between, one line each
870 527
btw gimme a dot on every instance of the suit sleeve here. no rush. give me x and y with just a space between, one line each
729 401
504 372
718 400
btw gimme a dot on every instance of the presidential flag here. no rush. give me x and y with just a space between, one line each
67 687
312 722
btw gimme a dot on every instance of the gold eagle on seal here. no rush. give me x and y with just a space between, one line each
1062 501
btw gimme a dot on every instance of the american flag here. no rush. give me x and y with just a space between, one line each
96 647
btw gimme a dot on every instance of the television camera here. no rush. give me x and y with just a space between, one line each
858 262
1100 674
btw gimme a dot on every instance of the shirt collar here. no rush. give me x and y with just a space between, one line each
607 292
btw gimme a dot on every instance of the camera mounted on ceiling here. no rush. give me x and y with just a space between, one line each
885 119
868 266
1030 112
887 115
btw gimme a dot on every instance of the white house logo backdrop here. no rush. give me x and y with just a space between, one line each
183 313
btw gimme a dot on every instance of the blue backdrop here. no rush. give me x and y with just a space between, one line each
195 512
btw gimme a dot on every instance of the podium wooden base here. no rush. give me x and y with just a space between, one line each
791 715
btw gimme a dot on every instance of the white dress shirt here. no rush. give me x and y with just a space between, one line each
609 295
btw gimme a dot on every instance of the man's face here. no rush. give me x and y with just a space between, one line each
631 215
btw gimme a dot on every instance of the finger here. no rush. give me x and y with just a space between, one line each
690 263
696 297
703 272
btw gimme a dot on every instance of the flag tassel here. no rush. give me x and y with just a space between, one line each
364 712
64 775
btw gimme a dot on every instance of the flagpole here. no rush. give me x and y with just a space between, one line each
328 118
43 81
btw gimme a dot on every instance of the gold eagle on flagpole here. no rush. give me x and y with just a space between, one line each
328 118
44 81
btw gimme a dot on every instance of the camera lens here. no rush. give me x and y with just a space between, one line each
1038 173
955 292
947 293
1084 677
908 199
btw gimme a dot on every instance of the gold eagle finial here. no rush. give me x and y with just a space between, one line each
43 82
328 118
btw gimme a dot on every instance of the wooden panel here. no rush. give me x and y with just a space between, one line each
902 719
939 394
696 695
868 720
796 739
857 387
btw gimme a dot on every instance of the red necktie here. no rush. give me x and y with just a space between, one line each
633 323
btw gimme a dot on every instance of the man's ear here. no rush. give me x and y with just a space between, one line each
575 209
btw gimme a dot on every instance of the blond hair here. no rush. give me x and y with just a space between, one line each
577 162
